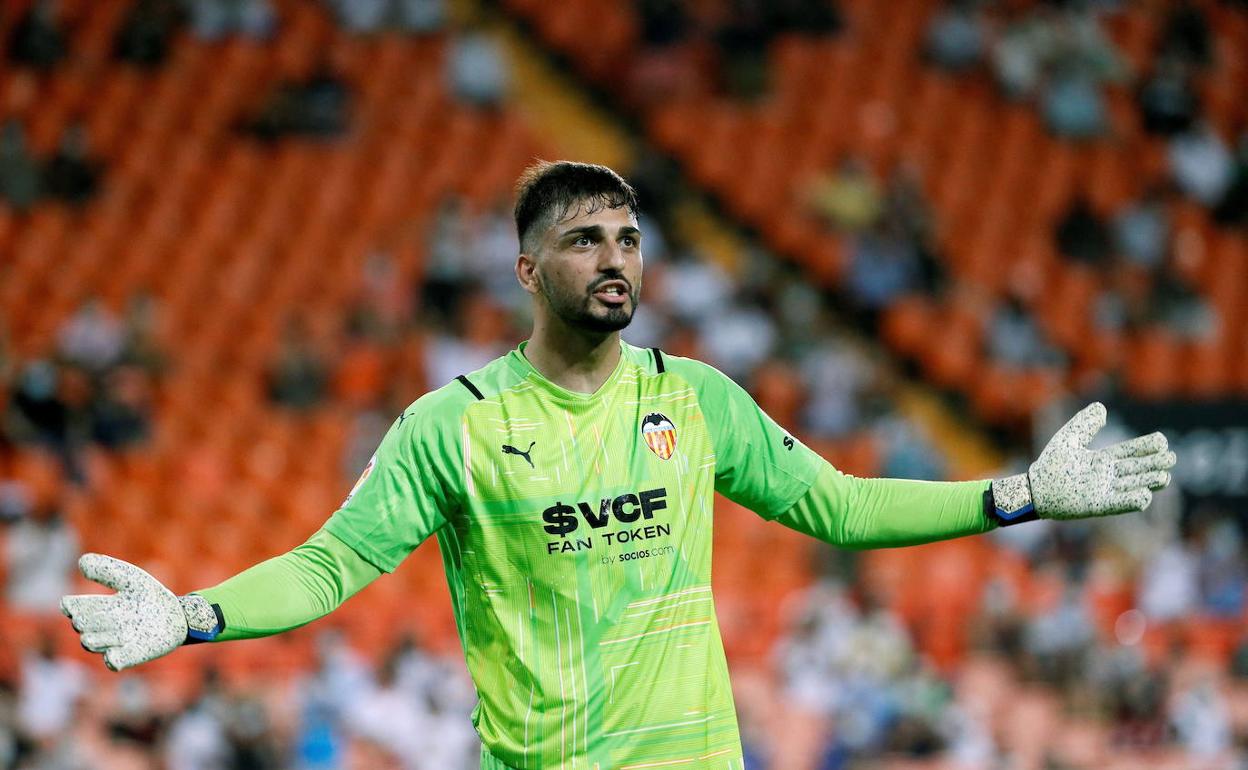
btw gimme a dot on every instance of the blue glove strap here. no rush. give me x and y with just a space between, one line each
1007 518
204 621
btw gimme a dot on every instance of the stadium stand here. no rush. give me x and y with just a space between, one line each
998 182
254 250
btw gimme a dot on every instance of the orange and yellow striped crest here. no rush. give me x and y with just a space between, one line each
660 434
368 469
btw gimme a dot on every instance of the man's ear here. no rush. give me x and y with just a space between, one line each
526 272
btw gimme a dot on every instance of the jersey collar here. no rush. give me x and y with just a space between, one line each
521 364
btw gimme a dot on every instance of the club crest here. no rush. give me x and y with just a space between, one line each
660 434
368 469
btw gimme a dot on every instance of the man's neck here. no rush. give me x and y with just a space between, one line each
571 358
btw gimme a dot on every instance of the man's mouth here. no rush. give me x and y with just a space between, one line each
612 293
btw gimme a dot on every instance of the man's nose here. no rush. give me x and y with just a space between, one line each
610 256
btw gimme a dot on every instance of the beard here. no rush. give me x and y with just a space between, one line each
580 310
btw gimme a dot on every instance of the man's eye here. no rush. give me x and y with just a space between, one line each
583 241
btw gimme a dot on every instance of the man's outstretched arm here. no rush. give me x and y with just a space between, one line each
883 513
398 501
761 466
1067 481
290 590
145 620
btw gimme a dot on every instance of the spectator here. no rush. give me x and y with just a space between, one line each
15 501
36 413
1202 165
906 451
133 720
1180 308
317 107
1169 587
1168 100
144 35
121 415
1185 35
694 287
404 714
51 688
1232 210
216 19
491 254
299 377
1124 304
1082 234
955 36
1142 231
836 374
743 42
361 16
325 103
20 182
849 198
1022 51
70 174
1201 718
422 17
663 22
40 554
477 72
1081 47
1223 571
250 734
92 337
449 273
1074 107
1058 637
37 40
737 338
1015 341
807 17
884 264
474 342
141 324
196 738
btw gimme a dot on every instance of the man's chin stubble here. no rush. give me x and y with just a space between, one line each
613 321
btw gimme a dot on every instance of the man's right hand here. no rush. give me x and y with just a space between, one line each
141 622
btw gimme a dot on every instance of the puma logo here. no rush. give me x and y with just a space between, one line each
508 449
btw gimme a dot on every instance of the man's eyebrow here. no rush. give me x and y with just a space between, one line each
594 230
630 230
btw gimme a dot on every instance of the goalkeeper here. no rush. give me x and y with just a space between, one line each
570 484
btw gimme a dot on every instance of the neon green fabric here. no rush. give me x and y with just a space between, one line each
575 532
290 590
885 513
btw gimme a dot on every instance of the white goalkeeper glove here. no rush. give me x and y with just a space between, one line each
1070 481
142 621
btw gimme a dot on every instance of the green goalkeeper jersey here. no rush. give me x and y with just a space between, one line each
575 531
576 535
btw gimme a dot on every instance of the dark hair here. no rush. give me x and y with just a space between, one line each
546 191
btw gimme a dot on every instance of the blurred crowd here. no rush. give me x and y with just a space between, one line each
1085 652
1058 57
1042 653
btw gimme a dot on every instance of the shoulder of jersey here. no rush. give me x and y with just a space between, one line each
660 362
452 398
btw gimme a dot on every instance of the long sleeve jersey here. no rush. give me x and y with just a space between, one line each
575 533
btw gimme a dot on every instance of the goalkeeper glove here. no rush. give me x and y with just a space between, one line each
1070 481
142 621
